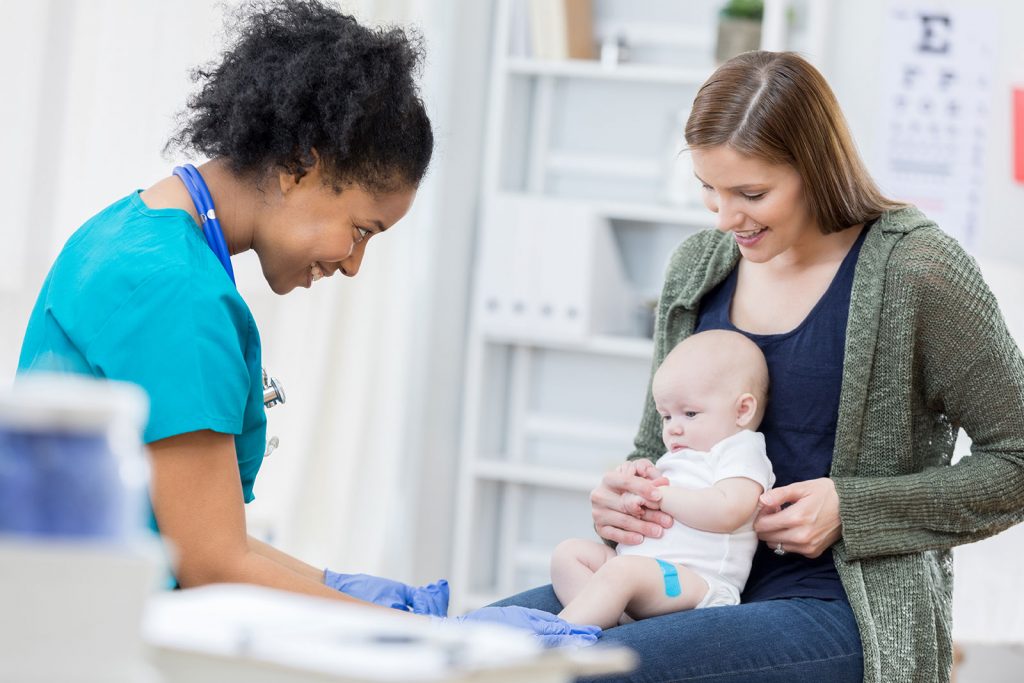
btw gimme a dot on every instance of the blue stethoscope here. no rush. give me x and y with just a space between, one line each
273 392
200 194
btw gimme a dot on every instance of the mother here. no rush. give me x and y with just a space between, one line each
882 340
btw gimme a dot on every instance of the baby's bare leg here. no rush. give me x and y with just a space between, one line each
634 585
573 563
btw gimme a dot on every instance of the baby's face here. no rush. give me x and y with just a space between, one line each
696 412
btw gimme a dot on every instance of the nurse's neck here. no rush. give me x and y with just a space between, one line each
236 200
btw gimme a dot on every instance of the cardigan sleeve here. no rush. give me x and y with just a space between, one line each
971 374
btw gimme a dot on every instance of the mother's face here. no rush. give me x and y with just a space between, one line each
761 204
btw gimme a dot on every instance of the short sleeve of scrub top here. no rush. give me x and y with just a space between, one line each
137 295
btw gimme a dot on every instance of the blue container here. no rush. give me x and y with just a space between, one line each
68 466
59 484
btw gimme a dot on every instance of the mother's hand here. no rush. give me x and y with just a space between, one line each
625 505
809 525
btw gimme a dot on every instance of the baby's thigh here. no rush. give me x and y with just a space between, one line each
654 593
591 554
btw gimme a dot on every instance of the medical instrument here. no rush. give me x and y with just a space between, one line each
273 391
200 194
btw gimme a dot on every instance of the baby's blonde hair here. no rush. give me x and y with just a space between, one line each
731 356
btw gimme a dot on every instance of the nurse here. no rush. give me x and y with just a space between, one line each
317 140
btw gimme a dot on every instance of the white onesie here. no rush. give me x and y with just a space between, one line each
721 559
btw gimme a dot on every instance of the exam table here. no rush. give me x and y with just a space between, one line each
89 614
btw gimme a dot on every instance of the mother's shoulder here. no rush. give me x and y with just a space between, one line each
701 246
922 252
699 262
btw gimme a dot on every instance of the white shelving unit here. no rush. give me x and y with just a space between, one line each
572 68
579 217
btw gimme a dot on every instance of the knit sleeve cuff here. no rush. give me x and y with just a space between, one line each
881 516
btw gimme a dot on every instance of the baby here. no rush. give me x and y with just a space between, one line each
711 392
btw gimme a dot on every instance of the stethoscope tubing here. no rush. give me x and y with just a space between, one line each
203 201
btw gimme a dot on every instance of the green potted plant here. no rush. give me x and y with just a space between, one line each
739 28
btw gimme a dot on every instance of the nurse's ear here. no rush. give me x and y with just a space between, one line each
310 176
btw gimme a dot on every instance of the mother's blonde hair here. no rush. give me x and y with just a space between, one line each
776 107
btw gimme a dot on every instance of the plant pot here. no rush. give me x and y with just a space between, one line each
736 35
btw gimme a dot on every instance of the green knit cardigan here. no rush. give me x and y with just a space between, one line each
927 352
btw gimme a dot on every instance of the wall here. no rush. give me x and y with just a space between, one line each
854 64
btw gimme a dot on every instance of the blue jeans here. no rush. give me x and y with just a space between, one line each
789 641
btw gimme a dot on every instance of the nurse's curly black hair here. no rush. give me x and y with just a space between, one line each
301 80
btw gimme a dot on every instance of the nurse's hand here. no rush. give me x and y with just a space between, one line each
625 505
808 524
552 631
431 599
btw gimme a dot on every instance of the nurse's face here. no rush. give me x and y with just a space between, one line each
312 231
761 205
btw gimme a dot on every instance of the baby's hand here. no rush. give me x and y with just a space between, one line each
763 510
641 468
634 504
627 468
637 481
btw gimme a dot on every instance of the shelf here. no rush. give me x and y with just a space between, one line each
524 558
528 558
583 430
591 149
582 68
640 348
604 165
672 214
471 601
696 217
535 475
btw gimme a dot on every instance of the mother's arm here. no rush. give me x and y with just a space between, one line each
972 374
197 499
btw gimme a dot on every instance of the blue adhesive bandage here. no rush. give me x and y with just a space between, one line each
671 576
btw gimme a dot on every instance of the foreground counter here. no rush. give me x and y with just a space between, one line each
88 613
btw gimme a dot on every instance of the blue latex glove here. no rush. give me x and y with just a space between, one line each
431 599
552 631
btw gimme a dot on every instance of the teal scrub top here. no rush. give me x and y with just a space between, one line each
137 295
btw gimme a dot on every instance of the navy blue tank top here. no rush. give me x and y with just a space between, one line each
805 366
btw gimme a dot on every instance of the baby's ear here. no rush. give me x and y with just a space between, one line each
746 409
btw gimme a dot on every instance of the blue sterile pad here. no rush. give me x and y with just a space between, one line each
671 576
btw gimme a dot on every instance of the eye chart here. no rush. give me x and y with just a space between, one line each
934 113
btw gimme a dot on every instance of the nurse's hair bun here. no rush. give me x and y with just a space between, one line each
299 77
